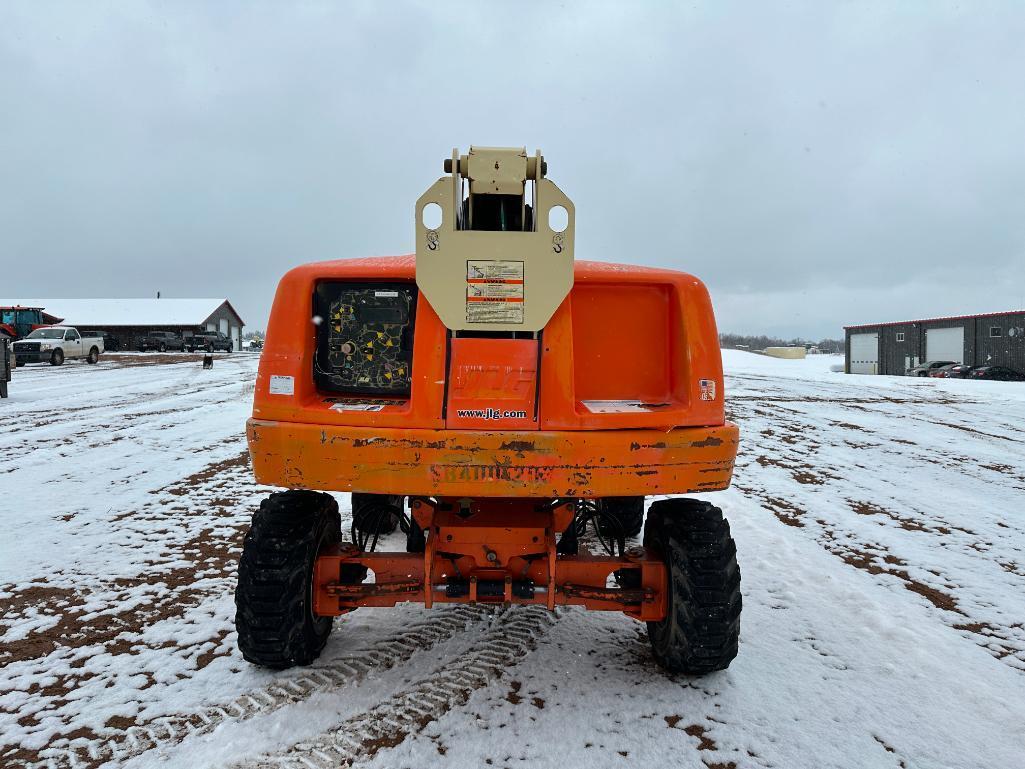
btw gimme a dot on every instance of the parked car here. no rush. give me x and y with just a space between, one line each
162 341
56 344
998 373
209 341
951 371
923 369
110 342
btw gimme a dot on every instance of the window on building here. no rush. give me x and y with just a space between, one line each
900 336
995 331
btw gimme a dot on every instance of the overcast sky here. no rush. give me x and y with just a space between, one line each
815 164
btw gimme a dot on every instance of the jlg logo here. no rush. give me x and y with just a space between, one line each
493 381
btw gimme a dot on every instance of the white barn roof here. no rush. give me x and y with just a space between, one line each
126 312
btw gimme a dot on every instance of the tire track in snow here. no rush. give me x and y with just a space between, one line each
111 427
515 633
797 441
290 688
196 544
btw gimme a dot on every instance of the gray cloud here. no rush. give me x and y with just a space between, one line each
816 164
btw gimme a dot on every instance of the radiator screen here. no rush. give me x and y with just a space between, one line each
365 337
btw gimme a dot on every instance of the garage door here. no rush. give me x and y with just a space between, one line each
864 353
945 344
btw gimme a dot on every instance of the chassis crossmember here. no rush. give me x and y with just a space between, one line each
500 551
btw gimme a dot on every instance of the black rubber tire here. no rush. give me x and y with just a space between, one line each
209 348
3 389
274 600
701 631
629 511
366 513
93 356
416 541
57 357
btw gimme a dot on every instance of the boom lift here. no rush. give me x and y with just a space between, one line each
506 406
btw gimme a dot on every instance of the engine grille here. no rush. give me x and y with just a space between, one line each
365 337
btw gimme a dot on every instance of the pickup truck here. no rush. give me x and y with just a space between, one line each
209 341
162 341
56 344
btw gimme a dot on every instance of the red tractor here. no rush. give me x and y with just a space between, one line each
18 321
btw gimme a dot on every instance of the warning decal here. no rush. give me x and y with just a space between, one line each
494 291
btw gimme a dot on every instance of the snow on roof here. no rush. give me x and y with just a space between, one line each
126 312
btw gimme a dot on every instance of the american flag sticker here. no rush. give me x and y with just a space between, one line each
707 387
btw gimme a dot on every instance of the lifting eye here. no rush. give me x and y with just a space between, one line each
431 216
558 218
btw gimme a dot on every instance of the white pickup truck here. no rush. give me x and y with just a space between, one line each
56 344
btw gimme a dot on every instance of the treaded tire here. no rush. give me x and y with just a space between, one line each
701 631
57 357
629 511
416 540
273 600
93 357
367 516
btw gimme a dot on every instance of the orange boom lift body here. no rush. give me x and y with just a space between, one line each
503 430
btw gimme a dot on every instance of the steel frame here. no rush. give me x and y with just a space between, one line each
499 551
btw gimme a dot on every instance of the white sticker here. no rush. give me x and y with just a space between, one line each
494 291
493 311
494 269
386 293
357 407
707 387
282 385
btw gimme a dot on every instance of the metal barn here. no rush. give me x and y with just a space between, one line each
892 348
128 320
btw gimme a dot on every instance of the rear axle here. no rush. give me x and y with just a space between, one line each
490 551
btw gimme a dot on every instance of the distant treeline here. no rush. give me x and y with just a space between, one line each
745 342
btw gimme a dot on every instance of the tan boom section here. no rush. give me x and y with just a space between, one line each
501 256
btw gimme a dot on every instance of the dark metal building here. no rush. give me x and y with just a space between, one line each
996 339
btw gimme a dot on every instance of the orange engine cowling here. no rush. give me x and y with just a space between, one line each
620 393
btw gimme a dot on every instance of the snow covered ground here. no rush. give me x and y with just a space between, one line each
881 530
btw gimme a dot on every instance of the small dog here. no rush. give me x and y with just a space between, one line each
208 361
